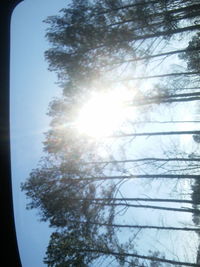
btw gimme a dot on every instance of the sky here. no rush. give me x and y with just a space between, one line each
32 88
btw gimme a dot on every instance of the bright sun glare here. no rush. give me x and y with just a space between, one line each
104 113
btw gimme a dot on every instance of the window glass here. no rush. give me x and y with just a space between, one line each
105 132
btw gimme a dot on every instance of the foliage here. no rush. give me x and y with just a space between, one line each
193 58
68 248
90 38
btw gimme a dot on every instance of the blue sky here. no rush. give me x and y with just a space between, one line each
32 88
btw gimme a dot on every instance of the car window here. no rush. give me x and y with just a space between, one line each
105 132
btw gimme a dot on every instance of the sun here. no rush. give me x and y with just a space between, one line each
103 113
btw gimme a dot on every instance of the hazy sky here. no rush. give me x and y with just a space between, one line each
32 88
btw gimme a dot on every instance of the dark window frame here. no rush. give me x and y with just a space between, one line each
9 248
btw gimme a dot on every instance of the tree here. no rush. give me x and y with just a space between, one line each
193 58
85 42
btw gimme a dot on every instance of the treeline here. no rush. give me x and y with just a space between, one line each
96 46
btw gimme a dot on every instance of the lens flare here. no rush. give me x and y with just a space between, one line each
104 113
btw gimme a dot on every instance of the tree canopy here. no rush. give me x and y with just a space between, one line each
97 46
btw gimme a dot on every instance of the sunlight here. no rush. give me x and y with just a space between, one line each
104 113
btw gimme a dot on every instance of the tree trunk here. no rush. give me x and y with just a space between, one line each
150 227
193 8
138 176
174 74
137 199
136 5
173 262
145 159
155 134
185 50
190 210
